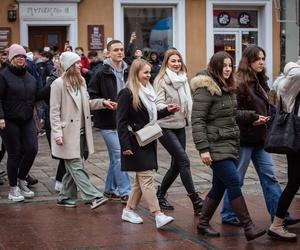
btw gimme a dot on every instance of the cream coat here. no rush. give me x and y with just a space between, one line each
65 118
167 94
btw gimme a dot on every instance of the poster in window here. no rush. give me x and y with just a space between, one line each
95 37
5 37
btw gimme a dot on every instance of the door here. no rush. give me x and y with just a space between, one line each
229 42
42 36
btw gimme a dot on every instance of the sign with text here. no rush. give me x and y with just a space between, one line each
5 37
95 37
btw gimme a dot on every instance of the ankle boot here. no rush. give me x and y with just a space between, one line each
197 203
278 231
240 208
163 202
208 209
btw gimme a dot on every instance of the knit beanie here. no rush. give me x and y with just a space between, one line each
14 50
68 58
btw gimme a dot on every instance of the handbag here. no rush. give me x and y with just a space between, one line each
148 134
283 134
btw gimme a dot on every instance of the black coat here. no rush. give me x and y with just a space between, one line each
104 85
143 158
18 94
253 98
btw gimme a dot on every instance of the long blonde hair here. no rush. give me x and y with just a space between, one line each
164 65
73 78
133 82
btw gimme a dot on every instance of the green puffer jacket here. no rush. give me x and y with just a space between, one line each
215 117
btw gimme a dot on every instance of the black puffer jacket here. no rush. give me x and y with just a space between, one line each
18 94
254 98
104 85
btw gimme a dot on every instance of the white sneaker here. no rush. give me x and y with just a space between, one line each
58 186
15 194
132 217
162 220
25 191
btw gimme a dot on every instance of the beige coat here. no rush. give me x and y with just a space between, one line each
167 94
65 119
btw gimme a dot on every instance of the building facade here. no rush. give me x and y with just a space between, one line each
197 28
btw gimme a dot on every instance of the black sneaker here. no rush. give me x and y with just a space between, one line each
112 196
31 180
66 203
124 199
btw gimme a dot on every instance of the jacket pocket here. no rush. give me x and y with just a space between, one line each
228 133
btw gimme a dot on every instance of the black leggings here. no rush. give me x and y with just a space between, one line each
292 186
174 141
20 140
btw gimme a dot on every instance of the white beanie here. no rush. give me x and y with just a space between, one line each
67 59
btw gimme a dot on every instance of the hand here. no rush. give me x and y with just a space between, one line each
173 107
261 120
2 123
59 141
132 37
127 152
206 158
84 70
110 105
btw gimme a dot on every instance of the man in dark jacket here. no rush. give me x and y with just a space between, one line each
107 83
96 64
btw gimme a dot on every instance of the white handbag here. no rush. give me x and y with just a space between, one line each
148 134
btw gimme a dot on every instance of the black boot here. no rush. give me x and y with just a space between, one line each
163 203
31 180
197 203
208 209
240 208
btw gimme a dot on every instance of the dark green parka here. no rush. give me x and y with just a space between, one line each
215 117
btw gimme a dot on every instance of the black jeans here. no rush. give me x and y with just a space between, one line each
20 141
174 141
292 186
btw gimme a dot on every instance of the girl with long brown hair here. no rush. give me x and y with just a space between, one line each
216 136
171 85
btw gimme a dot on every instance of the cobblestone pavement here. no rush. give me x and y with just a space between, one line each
44 170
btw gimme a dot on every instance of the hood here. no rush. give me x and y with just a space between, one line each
204 81
108 62
290 66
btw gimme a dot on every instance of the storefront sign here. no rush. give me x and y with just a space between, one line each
95 37
223 18
5 38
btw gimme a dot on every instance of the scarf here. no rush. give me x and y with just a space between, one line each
180 83
148 97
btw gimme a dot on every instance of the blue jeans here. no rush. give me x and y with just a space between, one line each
225 177
117 181
263 164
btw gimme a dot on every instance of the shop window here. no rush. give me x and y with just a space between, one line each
153 27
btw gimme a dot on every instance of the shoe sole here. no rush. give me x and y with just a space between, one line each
65 205
166 223
278 237
203 232
99 204
30 196
167 208
15 200
133 222
256 236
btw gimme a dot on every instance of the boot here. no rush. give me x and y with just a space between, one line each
240 208
197 203
208 209
278 231
163 202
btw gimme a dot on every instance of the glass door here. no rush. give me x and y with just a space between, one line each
229 42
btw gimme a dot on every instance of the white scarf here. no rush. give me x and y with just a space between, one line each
148 98
180 83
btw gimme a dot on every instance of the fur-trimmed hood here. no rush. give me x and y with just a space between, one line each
203 81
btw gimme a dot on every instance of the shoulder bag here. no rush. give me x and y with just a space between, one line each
148 134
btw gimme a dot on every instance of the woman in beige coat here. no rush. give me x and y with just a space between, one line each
71 130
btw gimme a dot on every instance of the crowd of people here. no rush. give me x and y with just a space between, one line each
63 94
